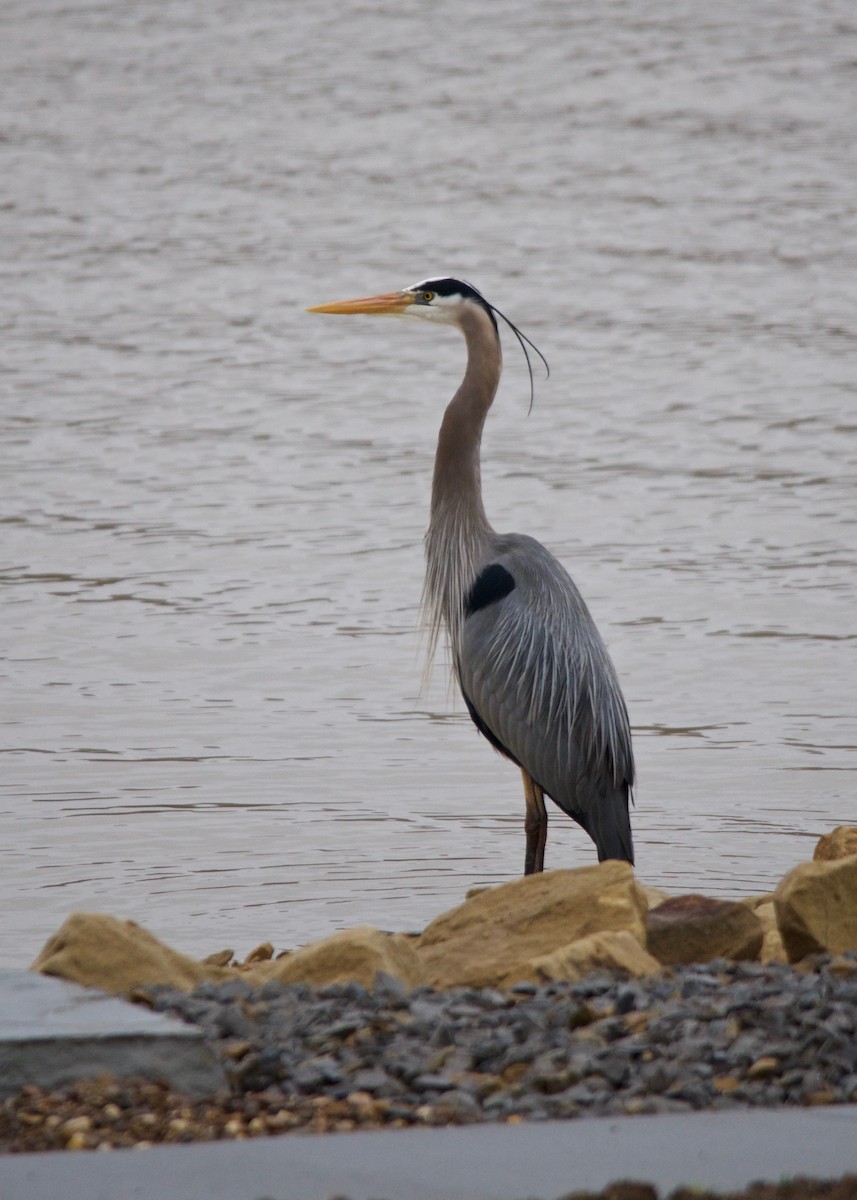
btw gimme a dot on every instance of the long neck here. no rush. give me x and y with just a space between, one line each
458 528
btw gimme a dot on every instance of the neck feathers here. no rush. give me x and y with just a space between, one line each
458 529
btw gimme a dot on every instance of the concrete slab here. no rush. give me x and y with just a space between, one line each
723 1151
53 1032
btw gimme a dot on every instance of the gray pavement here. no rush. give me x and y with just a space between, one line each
725 1150
53 1032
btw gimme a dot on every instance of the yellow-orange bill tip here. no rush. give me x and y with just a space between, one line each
389 303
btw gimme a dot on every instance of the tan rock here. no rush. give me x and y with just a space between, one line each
773 950
220 958
816 908
655 896
117 956
611 951
492 938
261 953
841 843
724 1084
689 929
764 1067
350 956
842 966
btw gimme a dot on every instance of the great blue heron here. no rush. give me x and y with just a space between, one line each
534 672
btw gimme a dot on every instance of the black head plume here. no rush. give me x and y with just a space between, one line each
448 286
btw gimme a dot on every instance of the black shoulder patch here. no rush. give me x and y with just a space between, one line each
493 584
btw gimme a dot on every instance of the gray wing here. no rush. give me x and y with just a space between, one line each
539 683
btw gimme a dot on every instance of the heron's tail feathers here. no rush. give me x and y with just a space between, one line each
605 818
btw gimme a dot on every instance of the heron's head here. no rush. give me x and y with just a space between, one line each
443 300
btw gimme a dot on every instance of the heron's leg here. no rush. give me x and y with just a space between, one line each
535 825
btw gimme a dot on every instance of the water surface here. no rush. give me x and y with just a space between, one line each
213 504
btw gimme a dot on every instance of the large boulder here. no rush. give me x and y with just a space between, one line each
697 929
117 956
816 908
841 843
492 938
351 956
611 951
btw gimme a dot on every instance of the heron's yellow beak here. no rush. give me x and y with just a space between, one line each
390 304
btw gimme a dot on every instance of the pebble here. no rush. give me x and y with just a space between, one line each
341 1057
694 1037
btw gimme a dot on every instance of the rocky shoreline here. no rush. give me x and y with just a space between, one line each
558 926
711 1036
569 994
343 1057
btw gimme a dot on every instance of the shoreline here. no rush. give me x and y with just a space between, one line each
713 1037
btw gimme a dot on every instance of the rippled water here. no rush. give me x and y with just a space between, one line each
212 504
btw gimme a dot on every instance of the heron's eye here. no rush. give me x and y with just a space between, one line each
428 297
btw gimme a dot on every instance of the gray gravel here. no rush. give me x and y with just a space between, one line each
703 1037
